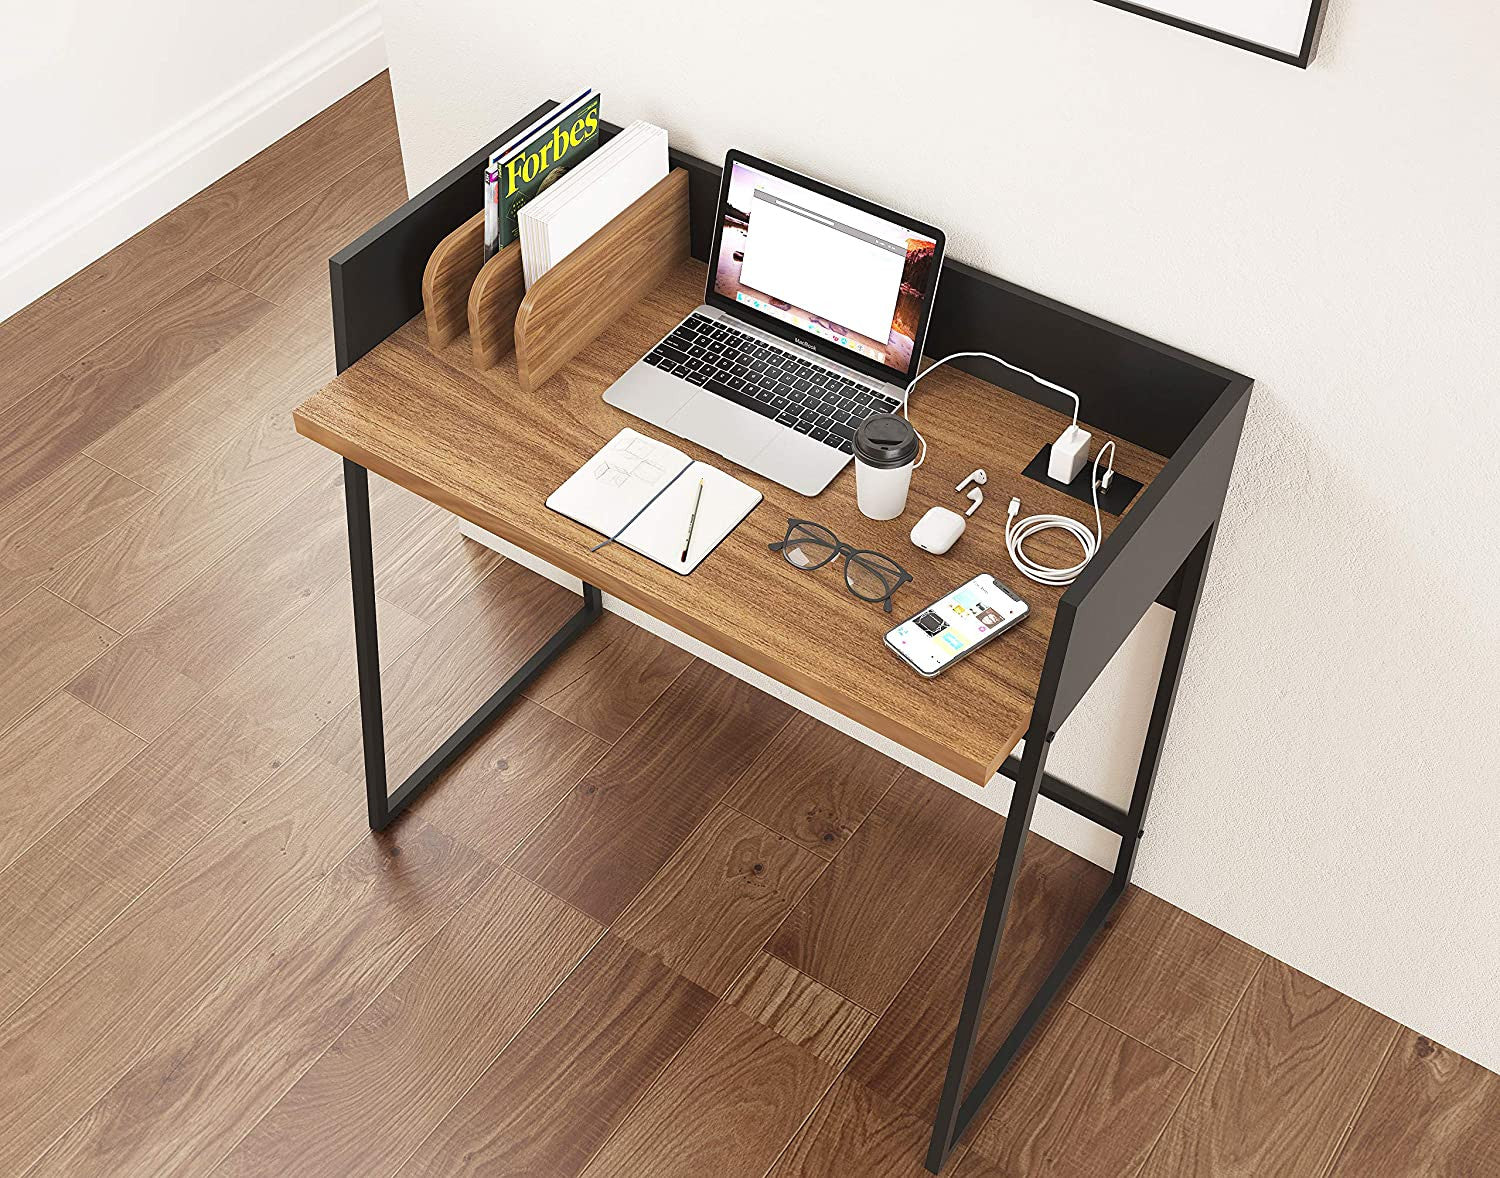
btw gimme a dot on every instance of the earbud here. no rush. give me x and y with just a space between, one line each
976 497
977 477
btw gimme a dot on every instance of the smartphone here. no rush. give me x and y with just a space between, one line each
947 630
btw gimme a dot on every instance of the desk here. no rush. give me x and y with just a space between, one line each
474 443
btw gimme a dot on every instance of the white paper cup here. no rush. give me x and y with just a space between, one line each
885 452
881 493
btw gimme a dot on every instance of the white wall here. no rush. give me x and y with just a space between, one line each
114 114
1329 790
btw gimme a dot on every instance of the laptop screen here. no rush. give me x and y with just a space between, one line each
834 271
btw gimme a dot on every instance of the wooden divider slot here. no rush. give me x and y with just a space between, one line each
446 280
568 307
493 300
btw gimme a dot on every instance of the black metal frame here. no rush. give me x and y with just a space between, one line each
1137 388
384 807
1301 59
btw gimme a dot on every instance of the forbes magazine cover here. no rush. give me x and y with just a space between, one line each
568 137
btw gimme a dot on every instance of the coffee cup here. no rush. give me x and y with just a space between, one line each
885 453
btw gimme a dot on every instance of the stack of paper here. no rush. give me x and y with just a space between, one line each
564 215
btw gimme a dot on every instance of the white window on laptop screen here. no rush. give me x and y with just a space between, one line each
825 261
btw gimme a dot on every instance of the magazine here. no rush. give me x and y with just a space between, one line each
538 157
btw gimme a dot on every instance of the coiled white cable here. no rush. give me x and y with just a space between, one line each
1017 532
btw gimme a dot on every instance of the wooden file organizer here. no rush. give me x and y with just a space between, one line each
570 305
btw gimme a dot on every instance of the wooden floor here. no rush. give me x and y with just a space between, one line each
656 924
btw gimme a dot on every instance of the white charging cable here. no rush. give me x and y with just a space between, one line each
931 368
1017 532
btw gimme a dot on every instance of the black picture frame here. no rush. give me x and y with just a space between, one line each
1301 59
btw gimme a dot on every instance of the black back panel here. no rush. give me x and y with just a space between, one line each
1130 386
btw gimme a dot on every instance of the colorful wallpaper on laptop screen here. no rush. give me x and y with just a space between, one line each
894 351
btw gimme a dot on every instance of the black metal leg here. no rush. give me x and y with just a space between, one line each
1166 695
956 1111
384 807
950 1122
366 641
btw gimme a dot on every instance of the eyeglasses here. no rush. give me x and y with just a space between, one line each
870 576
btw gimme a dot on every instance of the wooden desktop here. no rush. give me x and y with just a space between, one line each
475 443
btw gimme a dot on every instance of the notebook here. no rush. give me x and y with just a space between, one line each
640 492
563 216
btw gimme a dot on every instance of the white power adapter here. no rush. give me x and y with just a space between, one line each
1069 453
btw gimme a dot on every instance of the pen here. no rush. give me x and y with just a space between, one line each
692 522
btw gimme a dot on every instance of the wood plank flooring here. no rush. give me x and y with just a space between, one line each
653 923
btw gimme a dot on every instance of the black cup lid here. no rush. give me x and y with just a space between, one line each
885 441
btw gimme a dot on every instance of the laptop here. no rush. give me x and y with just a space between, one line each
814 318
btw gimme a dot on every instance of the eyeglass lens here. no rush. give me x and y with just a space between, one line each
809 546
871 576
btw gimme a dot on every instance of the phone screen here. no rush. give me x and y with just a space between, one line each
968 617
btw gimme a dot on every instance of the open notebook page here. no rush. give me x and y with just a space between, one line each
662 528
632 471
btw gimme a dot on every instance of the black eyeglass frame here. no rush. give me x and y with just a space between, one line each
850 555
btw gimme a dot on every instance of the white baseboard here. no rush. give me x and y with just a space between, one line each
1049 819
154 178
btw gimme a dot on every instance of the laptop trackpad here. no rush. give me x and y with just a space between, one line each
724 427
649 393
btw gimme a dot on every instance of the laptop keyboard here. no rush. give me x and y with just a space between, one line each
741 368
